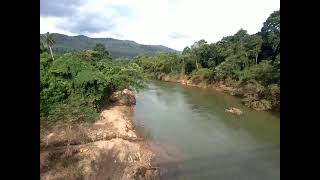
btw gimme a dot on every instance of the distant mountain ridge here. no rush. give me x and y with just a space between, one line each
116 47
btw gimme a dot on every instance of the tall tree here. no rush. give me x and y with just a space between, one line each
48 40
270 33
196 50
101 49
253 47
186 51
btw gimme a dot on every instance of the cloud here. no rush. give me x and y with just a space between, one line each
175 24
177 35
86 24
59 8
84 17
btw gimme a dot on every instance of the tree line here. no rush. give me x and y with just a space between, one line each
75 86
249 63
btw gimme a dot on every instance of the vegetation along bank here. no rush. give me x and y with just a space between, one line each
244 65
86 105
87 97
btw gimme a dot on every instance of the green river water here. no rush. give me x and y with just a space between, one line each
195 138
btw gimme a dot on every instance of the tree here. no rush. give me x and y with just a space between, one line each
270 33
186 51
48 41
101 49
253 46
196 50
237 60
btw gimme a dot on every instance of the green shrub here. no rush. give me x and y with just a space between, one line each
231 82
254 87
224 70
73 88
262 72
202 75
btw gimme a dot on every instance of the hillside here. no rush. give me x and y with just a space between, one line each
117 48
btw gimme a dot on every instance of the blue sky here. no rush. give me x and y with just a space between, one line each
172 23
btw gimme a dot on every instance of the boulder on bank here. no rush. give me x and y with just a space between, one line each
125 97
234 110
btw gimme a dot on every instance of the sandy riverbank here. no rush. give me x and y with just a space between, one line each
107 149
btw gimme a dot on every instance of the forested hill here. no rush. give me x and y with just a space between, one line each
117 48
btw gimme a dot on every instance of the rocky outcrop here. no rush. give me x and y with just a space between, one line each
125 97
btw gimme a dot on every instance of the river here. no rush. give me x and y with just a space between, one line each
196 139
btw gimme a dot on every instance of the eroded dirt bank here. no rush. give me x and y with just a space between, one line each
250 97
107 149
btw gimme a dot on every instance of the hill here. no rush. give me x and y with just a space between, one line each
116 47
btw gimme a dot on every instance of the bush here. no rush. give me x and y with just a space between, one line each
224 70
202 75
257 104
274 95
262 72
254 88
232 83
75 109
73 88
263 98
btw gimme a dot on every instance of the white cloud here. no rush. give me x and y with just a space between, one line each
48 24
154 22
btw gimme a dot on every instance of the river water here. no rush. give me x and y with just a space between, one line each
196 139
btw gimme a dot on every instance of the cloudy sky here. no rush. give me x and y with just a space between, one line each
172 23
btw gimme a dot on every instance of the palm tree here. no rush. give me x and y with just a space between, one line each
49 42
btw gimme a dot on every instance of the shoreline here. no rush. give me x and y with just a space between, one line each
107 148
218 86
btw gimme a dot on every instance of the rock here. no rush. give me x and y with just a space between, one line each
234 110
166 78
49 137
125 97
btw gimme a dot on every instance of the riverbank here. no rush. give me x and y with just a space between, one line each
106 149
251 95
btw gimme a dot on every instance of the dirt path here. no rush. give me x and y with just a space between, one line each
107 149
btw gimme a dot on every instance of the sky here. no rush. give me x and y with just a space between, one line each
172 23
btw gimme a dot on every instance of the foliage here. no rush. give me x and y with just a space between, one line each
262 72
250 63
274 95
168 63
101 52
247 62
202 74
270 33
47 41
75 87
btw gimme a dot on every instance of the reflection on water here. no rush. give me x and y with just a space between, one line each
194 136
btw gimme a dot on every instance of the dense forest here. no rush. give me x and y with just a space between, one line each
117 48
75 86
248 63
